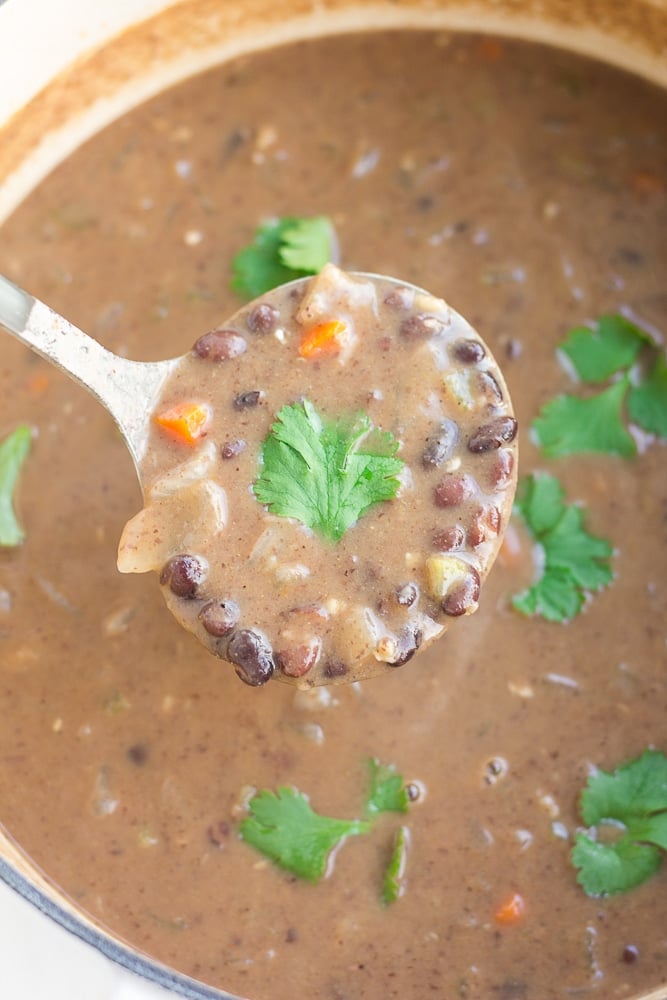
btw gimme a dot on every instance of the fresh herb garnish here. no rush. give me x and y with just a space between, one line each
574 562
393 884
284 827
282 250
13 453
610 346
572 424
326 474
647 402
387 792
568 425
630 804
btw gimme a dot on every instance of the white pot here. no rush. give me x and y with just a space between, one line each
67 67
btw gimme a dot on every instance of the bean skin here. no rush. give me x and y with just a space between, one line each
247 400
220 345
184 574
440 446
298 660
263 318
419 327
468 352
453 490
220 617
409 641
449 539
491 436
463 597
335 668
252 657
407 595
231 449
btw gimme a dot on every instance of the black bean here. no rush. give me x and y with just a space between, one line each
485 525
252 657
220 617
500 473
231 449
184 574
407 595
449 539
489 389
468 352
299 659
263 318
138 753
630 954
463 596
409 641
440 446
218 833
454 489
246 400
220 345
335 668
421 326
502 430
398 298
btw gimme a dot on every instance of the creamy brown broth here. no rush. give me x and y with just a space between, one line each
527 187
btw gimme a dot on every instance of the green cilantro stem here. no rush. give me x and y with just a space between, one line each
13 453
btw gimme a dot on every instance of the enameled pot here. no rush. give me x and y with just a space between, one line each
66 70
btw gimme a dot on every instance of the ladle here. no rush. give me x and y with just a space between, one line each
126 388
320 610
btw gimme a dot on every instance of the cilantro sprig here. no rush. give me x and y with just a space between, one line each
575 563
393 884
13 453
284 827
325 474
611 349
629 806
282 249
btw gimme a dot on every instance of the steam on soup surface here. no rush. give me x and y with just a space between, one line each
525 186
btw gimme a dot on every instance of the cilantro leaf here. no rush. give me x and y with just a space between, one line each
13 453
325 474
632 801
647 402
612 345
393 884
387 792
282 250
575 562
284 827
568 425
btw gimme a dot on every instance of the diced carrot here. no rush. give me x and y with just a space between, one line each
490 50
38 383
325 338
644 182
185 421
511 911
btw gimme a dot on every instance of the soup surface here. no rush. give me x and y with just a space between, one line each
525 186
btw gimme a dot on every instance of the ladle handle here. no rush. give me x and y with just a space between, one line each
126 388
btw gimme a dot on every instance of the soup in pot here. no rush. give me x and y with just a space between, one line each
422 833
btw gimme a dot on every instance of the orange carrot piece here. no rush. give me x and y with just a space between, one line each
490 50
325 338
644 182
511 911
38 383
185 421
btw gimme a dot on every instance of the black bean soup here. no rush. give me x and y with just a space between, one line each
526 187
